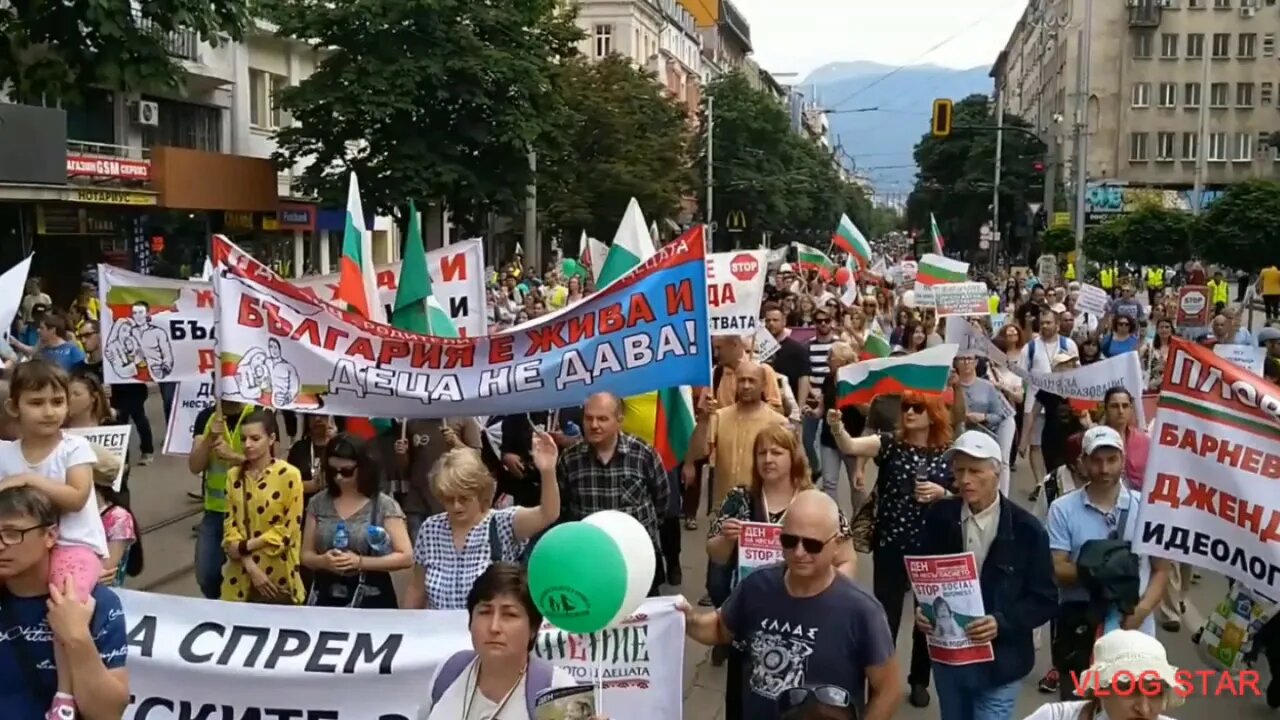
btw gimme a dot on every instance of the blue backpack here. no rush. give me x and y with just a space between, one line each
537 678
1031 353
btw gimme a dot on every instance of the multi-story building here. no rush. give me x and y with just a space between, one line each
726 34
631 28
678 63
1181 92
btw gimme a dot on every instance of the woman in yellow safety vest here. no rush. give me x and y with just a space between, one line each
1155 283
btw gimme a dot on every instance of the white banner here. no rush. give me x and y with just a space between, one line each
1093 300
190 400
156 329
283 349
1091 382
967 298
1246 357
196 658
735 290
112 438
13 285
1210 494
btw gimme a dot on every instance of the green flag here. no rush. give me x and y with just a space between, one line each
416 309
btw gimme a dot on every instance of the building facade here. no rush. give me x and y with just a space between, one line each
1180 92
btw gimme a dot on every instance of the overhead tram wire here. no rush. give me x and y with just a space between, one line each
954 36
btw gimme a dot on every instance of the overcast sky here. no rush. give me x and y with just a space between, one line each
801 35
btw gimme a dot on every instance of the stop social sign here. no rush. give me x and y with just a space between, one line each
735 289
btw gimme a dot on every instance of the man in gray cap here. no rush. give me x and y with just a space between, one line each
1269 338
1015 572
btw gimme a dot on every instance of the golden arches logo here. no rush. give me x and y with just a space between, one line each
735 221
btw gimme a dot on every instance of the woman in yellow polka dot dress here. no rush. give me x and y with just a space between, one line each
262 532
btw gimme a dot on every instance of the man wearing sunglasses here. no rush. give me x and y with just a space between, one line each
816 702
1015 572
804 624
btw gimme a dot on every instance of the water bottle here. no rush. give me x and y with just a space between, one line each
341 540
379 541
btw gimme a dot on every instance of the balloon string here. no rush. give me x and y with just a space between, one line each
599 680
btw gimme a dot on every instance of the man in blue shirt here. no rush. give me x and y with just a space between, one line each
91 633
54 345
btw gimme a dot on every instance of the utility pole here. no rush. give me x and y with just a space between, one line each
532 248
711 172
1082 131
995 190
1202 131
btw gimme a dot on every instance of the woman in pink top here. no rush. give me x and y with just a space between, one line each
1121 417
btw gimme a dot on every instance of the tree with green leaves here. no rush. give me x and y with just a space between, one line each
1105 243
425 99
621 136
956 175
1155 235
1239 230
55 51
1058 240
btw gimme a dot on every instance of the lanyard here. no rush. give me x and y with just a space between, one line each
768 516
473 681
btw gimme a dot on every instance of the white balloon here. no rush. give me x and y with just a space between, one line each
637 550
909 299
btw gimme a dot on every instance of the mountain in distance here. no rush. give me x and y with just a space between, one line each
881 141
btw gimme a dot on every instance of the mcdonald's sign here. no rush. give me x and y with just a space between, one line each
735 221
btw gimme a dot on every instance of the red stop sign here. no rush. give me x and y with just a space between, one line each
744 267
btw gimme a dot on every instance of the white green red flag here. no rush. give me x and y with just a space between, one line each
851 240
924 372
940 270
811 258
876 345
357 283
939 243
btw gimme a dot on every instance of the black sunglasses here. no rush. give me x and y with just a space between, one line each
347 471
828 695
917 408
811 546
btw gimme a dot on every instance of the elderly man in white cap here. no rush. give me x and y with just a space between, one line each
1103 509
1015 572
1130 678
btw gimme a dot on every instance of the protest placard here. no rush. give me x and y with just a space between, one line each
760 544
1093 300
190 400
735 289
1247 357
282 348
947 591
112 438
965 298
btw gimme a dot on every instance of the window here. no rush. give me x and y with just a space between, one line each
1268 44
1191 95
1246 46
1195 4
1169 46
1219 95
1217 147
1141 96
1244 95
1137 147
1142 45
1164 146
1221 46
1221 4
1244 147
604 40
185 125
1190 143
264 87
1195 45
1168 94
1265 97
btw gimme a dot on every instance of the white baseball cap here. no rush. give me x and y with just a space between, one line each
1101 436
976 444
786 268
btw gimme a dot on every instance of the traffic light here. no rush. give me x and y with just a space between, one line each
941 118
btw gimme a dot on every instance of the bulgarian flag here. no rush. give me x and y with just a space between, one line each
664 419
876 345
592 255
811 258
416 308
357 281
940 270
877 271
850 239
925 372
938 242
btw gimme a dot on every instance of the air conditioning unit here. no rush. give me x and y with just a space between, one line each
1248 12
146 112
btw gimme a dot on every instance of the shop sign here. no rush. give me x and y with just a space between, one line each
100 196
296 217
237 221
71 220
117 168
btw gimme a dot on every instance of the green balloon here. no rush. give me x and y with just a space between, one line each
571 268
578 577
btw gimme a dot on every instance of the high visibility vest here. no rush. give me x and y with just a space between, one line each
215 476
1155 278
1218 292
1070 274
1107 277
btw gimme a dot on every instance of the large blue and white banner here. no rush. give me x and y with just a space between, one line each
282 348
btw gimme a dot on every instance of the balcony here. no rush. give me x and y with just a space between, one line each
182 43
736 24
1144 13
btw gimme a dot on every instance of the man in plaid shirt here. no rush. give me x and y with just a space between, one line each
613 470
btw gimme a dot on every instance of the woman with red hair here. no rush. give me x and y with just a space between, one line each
912 475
